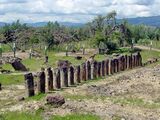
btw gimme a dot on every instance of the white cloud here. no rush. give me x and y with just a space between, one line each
74 10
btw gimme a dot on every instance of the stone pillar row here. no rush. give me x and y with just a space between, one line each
52 79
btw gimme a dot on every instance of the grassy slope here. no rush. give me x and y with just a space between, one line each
34 65
6 79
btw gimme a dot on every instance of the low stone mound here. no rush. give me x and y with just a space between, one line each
17 65
55 100
63 63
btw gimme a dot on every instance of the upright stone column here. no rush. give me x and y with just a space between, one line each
41 82
29 84
139 59
116 65
99 70
94 70
123 63
130 62
136 59
49 79
107 67
71 76
126 61
56 79
103 68
88 70
133 60
111 66
83 72
64 77
77 74
0 86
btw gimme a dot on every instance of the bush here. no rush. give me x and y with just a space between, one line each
111 46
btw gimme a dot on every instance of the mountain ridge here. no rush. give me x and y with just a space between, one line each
150 21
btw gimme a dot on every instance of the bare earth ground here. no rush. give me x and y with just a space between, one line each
130 95
22 55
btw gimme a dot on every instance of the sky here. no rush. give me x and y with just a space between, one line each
78 11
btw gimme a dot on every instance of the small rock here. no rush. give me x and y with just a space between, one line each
55 100
78 57
20 98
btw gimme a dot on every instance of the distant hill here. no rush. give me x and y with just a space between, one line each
2 24
150 21
69 24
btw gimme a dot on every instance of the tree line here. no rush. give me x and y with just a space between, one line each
104 31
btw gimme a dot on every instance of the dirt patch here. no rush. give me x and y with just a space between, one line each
131 95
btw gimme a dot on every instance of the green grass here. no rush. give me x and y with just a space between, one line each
76 45
38 116
156 44
146 54
76 117
20 116
6 48
136 102
6 79
37 97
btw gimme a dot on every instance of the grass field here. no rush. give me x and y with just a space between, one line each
35 64
38 116
6 79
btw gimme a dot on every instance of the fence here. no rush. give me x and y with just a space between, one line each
53 79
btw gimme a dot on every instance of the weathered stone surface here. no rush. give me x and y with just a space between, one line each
5 71
55 100
0 86
20 98
94 70
63 63
139 59
41 82
71 76
88 70
77 74
83 72
49 79
78 57
99 69
17 65
56 79
103 68
107 67
64 77
29 84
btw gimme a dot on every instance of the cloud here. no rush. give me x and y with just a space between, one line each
73 10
